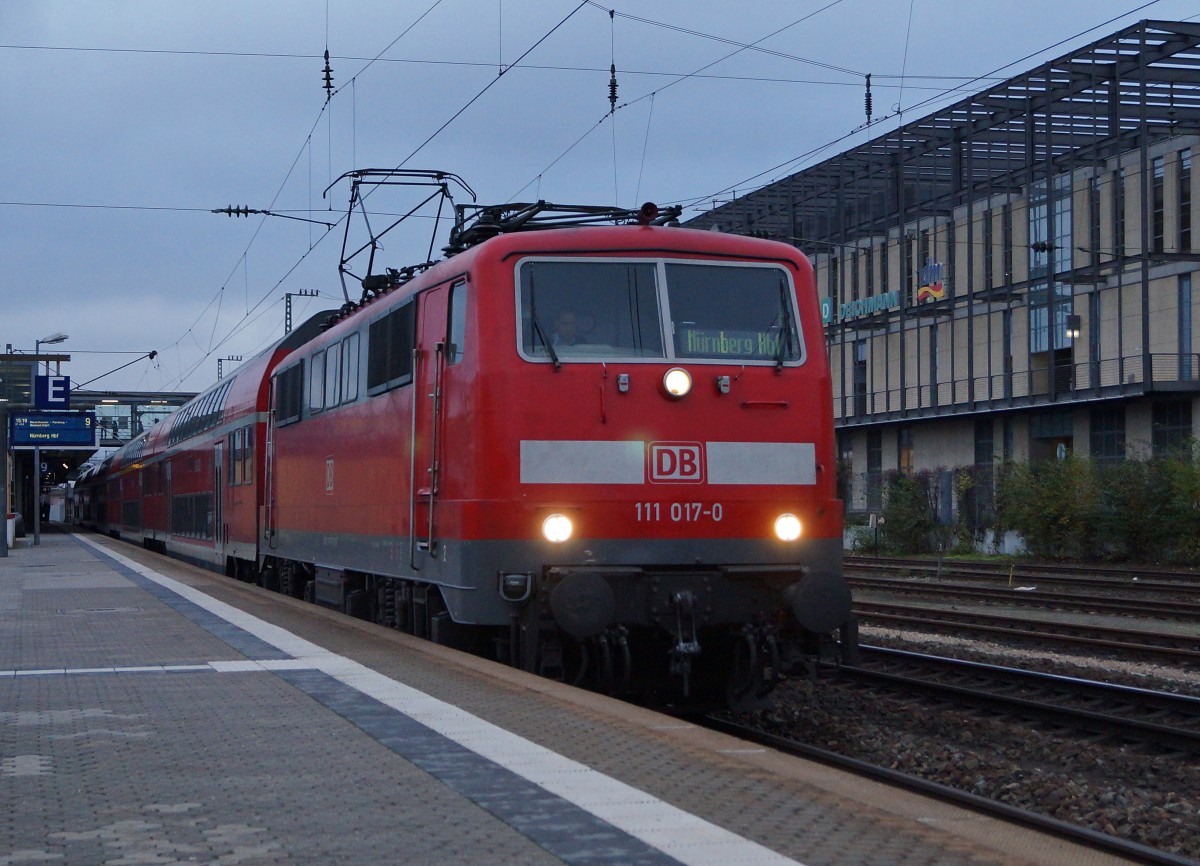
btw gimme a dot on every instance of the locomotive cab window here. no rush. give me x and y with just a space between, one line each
734 313
580 309
590 309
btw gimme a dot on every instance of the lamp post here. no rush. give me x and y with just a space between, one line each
57 337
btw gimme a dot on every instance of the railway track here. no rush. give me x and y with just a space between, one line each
1178 648
1133 851
1151 719
1045 574
1123 604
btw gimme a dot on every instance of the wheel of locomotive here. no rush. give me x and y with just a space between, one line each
729 673
291 579
561 657
268 576
745 677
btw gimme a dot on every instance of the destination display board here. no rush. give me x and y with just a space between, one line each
52 430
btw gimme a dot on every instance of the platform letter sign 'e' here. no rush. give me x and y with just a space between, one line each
52 392
676 462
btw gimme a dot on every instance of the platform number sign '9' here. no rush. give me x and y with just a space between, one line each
676 462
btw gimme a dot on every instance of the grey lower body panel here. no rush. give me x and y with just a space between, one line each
732 579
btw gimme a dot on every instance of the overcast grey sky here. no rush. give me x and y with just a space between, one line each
125 122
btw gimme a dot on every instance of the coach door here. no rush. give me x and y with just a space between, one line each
439 324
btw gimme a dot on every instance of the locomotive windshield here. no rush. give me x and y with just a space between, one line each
587 309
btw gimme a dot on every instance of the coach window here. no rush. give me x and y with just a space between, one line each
316 382
248 454
350 369
333 376
456 329
234 473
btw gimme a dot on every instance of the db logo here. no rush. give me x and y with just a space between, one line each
676 462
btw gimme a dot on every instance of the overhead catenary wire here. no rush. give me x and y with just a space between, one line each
242 264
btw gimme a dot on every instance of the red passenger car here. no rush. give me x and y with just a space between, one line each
192 485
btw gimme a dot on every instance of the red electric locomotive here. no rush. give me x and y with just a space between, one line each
603 453
600 452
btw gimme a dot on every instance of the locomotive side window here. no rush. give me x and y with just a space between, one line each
456 329
289 394
333 376
390 342
316 382
734 313
590 309
350 368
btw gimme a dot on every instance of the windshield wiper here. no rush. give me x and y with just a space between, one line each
785 339
537 326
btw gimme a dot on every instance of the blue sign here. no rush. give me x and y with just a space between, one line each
52 392
53 429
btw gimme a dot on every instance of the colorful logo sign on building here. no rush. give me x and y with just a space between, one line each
930 286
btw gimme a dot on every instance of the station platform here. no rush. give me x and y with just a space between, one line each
152 712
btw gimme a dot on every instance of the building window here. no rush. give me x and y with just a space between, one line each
1093 204
1006 240
1118 181
860 377
1185 200
988 251
985 481
845 475
904 451
1170 426
874 470
883 266
1039 230
1062 247
1107 432
1157 204
1187 361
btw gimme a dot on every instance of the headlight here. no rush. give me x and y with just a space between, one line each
677 382
787 527
557 528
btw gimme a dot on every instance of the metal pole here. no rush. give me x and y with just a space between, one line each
37 495
4 479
